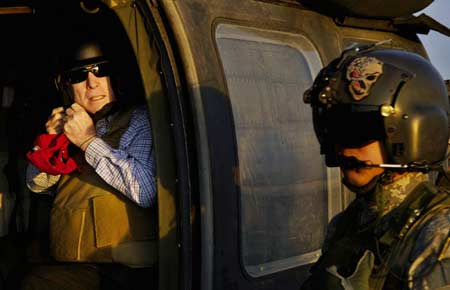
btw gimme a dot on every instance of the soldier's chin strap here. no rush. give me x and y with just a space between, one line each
351 162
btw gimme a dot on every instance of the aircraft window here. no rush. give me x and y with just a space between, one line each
283 181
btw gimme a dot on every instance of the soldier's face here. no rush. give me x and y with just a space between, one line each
370 152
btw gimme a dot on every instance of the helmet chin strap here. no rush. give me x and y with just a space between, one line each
351 162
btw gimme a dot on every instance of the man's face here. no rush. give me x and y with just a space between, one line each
93 93
371 153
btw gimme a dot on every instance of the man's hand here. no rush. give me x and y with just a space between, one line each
55 122
79 127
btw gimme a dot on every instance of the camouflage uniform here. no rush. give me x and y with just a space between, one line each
397 237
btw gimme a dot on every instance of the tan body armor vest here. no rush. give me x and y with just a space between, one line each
93 222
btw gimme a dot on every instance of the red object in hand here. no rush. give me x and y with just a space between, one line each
50 154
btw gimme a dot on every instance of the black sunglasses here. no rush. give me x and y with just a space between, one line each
80 74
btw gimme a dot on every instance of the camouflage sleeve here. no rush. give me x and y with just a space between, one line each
331 230
430 255
342 220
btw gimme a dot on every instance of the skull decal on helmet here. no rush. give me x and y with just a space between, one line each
362 73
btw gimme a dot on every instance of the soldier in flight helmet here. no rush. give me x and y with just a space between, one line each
382 116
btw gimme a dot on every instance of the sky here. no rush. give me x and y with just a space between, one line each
436 44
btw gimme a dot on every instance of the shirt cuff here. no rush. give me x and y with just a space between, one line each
39 181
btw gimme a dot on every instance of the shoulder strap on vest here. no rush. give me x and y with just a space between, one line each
394 228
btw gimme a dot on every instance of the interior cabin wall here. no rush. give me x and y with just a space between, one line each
22 76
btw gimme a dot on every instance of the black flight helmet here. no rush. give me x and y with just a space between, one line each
80 57
392 96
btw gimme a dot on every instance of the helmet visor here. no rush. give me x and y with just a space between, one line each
349 128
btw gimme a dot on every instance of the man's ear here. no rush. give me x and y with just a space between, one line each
67 94
118 86
65 90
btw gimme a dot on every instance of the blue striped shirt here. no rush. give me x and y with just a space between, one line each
130 168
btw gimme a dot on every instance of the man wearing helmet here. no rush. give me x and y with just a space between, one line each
382 116
101 216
